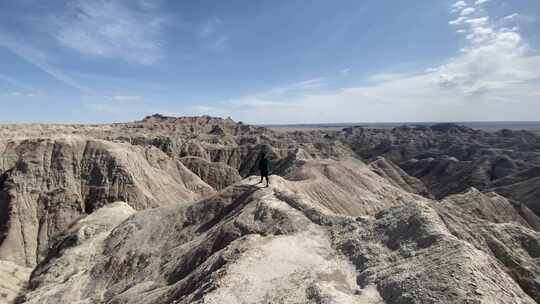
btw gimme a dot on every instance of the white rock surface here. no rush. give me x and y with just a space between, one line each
13 279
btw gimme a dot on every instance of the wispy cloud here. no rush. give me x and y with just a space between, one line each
459 5
467 11
126 97
210 27
220 43
20 94
385 77
294 89
119 29
345 71
16 83
39 59
212 35
480 2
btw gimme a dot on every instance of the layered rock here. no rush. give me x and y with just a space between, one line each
285 244
398 177
48 183
344 187
329 229
13 280
216 174
411 255
66 265
523 186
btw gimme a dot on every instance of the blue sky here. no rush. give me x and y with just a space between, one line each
270 61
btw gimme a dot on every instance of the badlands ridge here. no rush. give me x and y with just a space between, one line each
168 210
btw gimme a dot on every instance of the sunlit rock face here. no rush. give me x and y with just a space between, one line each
47 184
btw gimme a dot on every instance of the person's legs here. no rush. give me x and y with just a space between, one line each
262 176
267 180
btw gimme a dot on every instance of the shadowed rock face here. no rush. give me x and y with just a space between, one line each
405 228
523 186
398 177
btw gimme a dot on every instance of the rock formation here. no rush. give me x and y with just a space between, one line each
398 177
13 280
167 210
46 184
216 174
281 244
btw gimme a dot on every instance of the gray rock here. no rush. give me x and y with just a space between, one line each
49 183
329 229
287 244
13 280
216 174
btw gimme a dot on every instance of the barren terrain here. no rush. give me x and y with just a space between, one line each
169 210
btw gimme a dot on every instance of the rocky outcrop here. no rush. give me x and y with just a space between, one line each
216 174
412 255
398 177
66 264
13 280
523 187
449 158
329 229
447 175
344 187
241 245
283 244
49 183
490 224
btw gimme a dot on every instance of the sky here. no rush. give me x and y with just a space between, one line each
270 61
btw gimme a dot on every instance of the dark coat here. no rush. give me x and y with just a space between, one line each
264 166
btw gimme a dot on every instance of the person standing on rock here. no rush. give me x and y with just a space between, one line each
264 168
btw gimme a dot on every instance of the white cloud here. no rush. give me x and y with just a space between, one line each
467 11
384 77
459 6
477 21
293 89
345 71
117 29
511 17
480 2
515 18
20 94
458 21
